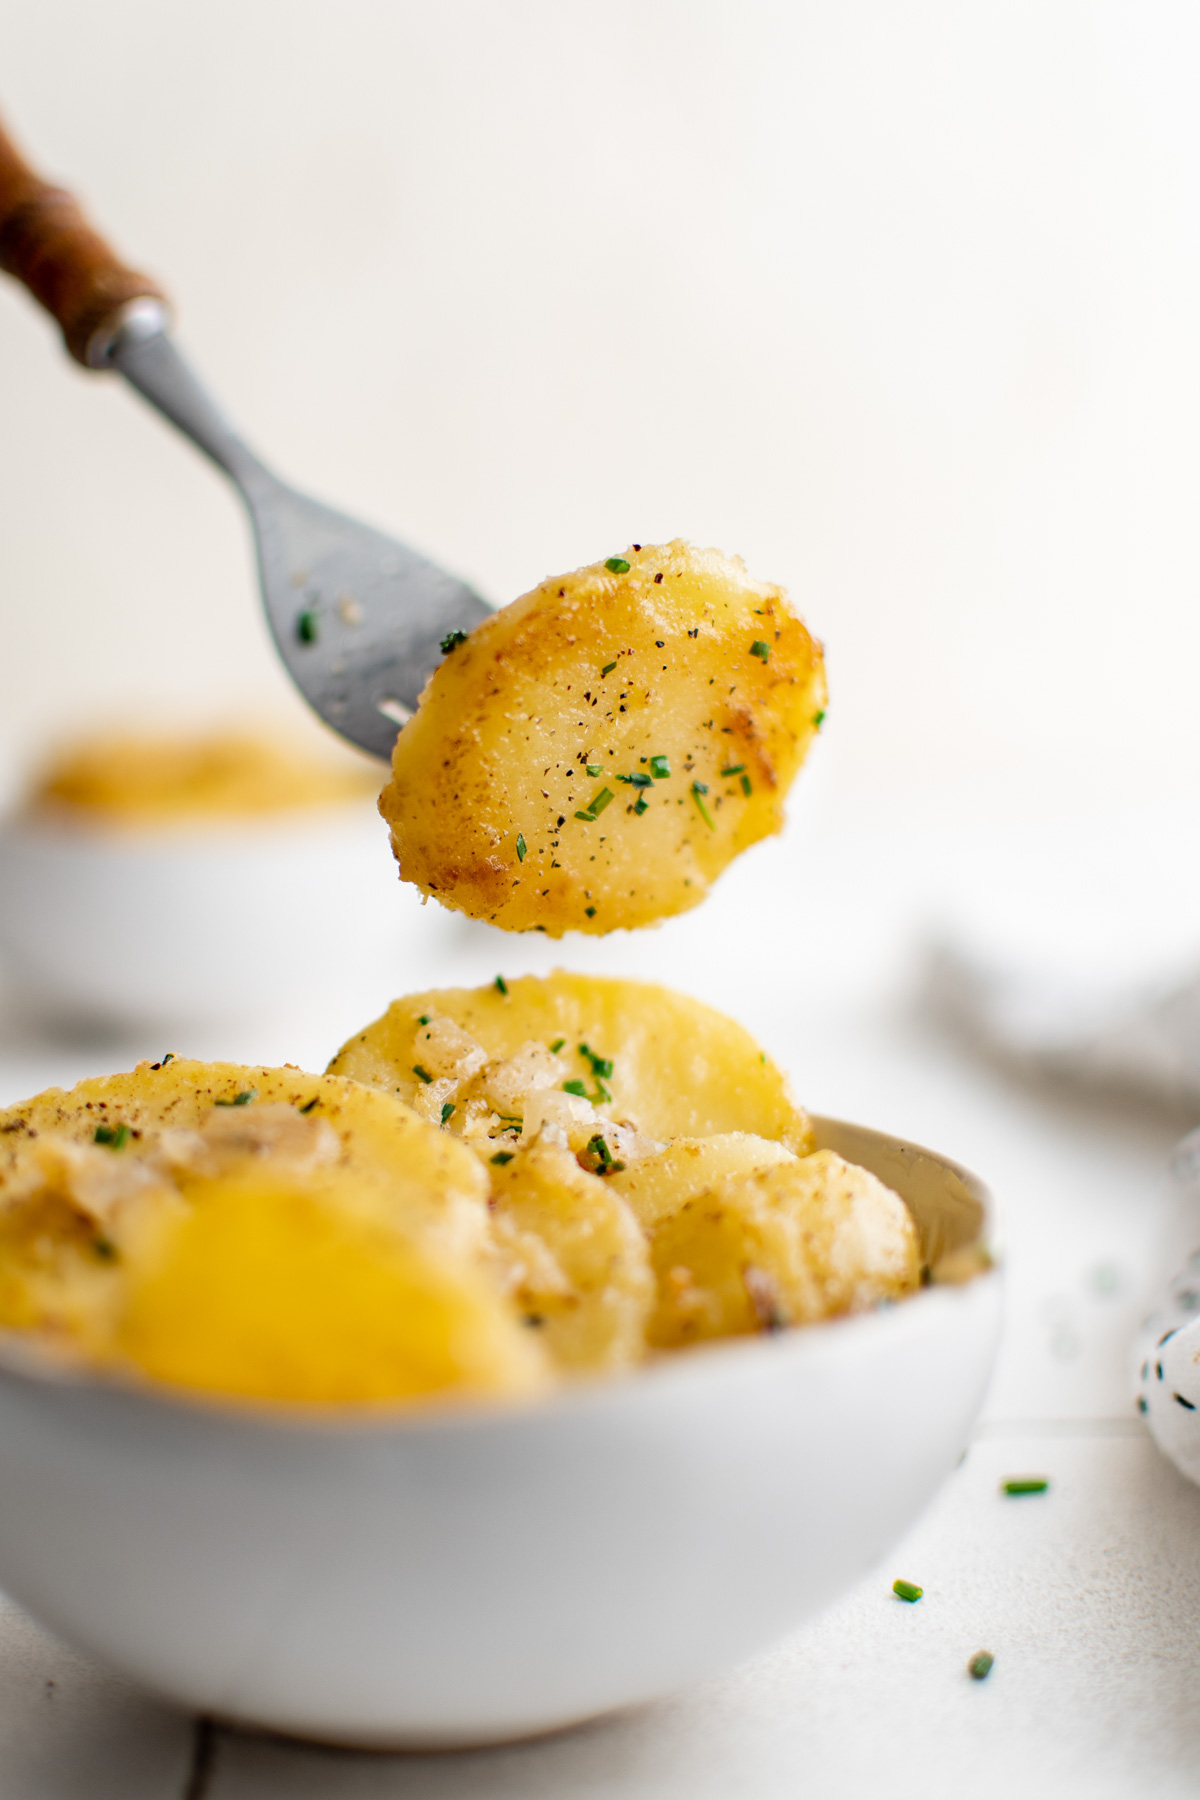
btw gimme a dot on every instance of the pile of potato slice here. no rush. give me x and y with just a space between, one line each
491 1191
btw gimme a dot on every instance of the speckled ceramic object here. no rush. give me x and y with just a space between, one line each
1167 1349
1168 1357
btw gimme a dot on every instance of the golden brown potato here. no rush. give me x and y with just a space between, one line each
596 753
799 1242
187 1114
58 1277
657 1186
280 1288
678 1069
575 1259
143 779
255 1231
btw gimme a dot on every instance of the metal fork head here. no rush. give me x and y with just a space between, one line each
359 619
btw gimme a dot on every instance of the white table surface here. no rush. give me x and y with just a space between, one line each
1088 1596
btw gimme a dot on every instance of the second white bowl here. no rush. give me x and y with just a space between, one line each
198 924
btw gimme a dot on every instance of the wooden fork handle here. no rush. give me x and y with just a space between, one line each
47 243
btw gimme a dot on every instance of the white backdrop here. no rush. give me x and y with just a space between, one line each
902 302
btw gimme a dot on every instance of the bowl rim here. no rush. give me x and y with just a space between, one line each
22 1363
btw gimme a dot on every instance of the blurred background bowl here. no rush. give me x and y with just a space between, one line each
200 924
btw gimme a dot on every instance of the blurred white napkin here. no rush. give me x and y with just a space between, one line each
1116 1036
1097 1033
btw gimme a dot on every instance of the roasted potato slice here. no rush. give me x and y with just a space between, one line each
595 754
575 1259
277 1288
109 1135
58 1275
99 1193
678 1068
802 1241
657 1186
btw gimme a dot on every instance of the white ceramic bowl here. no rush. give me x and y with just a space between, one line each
197 923
464 1577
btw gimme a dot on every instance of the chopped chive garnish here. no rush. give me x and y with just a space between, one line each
745 784
607 669
309 1104
980 1665
521 850
660 767
617 565
699 790
577 1087
169 1057
637 779
422 1074
501 985
598 1148
105 1249
447 1110
116 1137
601 1065
595 769
907 1590
761 650
103 1134
306 627
601 1093
424 1019
734 769
602 799
452 640
643 805
502 1157
557 1045
241 1099
587 817
819 718
590 911
1025 1484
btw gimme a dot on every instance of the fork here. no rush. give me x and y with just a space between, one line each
360 620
